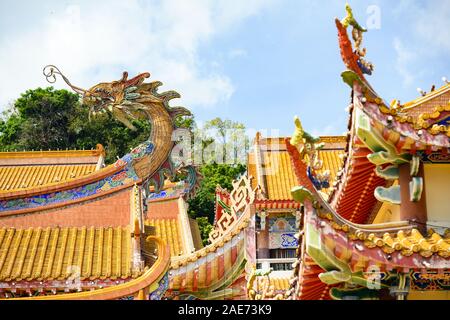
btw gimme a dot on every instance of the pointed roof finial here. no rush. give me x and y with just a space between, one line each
353 55
297 137
350 20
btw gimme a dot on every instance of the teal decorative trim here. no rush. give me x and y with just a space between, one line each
383 151
354 294
334 277
337 271
163 285
123 177
391 195
300 194
415 189
389 173
349 77
414 165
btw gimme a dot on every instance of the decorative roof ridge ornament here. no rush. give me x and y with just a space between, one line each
353 58
241 197
308 147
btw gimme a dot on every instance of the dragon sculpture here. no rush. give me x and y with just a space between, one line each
129 99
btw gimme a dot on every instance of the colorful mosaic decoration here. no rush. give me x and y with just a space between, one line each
162 288
434 157
282 224
171 192
279 240
139 152
430 281
121 178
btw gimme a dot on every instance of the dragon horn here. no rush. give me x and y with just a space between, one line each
137 80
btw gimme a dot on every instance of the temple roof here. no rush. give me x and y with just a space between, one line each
167 212
53 253
28 169
279 178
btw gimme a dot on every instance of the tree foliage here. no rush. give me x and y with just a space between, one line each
216 172
202 205
205 229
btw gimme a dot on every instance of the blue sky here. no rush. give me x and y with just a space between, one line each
259 62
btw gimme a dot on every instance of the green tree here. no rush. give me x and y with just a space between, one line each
10 128
202 205
46 116
117 139
205 229
223 134
228 138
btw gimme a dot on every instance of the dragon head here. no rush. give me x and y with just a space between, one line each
122 98
125 99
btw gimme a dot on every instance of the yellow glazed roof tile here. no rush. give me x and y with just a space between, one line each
170 233
30 169
281 177
405 242
14 178
56 253
53 154
278 283
411 243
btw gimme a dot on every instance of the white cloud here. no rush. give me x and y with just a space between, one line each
404 58
433 24
96 41
237 53
428 37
